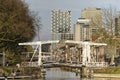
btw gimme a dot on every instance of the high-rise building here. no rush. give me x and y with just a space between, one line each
82 30
95 16
92 13
117 33
117 24
61 25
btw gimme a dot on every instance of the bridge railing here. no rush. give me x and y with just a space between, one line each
29 64
97 64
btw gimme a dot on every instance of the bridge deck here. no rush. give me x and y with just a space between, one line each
67 65
55 64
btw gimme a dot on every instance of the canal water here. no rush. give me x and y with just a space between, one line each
58 74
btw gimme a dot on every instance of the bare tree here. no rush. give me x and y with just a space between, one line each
107 31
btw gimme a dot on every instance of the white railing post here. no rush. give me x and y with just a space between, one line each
39 56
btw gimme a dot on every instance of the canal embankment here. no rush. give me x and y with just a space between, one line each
105 72
108 72
98 75
13 72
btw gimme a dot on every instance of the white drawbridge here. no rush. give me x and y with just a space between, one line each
38 43
86 56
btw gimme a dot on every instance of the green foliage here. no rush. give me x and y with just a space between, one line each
5 69
109 70
17 24
9 57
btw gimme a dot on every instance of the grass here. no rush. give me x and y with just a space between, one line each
109 70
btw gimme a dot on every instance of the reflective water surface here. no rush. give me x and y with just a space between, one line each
58 74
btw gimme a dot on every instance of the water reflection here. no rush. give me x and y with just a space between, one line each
58 74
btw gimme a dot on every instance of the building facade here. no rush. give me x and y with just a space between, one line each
117 34
82 30
117 24
95 16
92 13
61 25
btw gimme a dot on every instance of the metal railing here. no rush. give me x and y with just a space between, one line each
90 64
29 64
97 64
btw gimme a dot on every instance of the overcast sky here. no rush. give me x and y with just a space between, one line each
44 7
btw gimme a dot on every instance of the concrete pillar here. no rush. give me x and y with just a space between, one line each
83 72
66 53
102 53
86 53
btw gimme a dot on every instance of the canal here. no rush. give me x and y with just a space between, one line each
58 74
